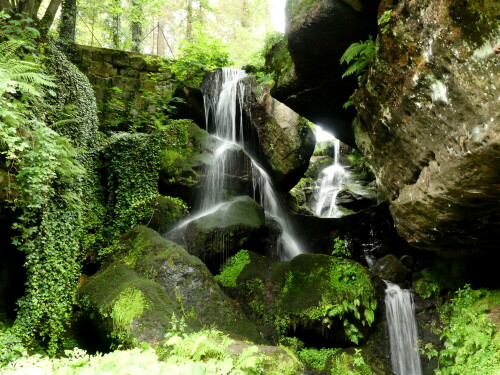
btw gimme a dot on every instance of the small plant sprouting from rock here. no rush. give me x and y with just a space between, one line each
340 248
383 21
358 56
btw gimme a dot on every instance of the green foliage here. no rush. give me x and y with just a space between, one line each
340 248
202 353
358 56
383 21
350 364
45 188
132 164
196 57
347 297
427 286
471 336
317 358
11 346
360 165
232 269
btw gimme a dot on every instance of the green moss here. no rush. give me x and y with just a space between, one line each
232 269
311 290
279 63
129 305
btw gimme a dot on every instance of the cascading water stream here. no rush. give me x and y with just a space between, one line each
403 334
223 103
331 181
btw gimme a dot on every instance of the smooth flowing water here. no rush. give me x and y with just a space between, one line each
403 334
223 100
331 181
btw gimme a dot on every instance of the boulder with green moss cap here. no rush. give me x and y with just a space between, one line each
162 280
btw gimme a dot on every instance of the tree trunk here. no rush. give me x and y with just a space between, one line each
50 14
136 29
67 27
189 19
115 31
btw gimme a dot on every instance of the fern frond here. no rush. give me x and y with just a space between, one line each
9 47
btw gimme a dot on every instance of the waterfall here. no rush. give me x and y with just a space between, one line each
403 333
331 181
223 101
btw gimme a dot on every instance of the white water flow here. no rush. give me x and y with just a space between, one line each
331 181
224 104
403 334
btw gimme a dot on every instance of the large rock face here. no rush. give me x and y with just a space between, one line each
307 66
429 123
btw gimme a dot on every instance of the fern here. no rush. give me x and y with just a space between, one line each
358 56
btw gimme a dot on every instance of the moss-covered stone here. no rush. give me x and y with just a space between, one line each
328 293
310 295
286 140
185 159
130 308
186 280
234 225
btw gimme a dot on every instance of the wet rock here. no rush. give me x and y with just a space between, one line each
150 280
285 140
370 230
391 269
182 171
234 225
307 60
434 70
408 261
277 137
355 198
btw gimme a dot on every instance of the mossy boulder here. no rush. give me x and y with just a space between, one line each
184 160
131 308
234 225
318 298
325 294
163 281
390 268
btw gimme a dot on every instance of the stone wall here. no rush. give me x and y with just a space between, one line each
121 78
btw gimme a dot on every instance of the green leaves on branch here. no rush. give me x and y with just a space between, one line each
197 56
